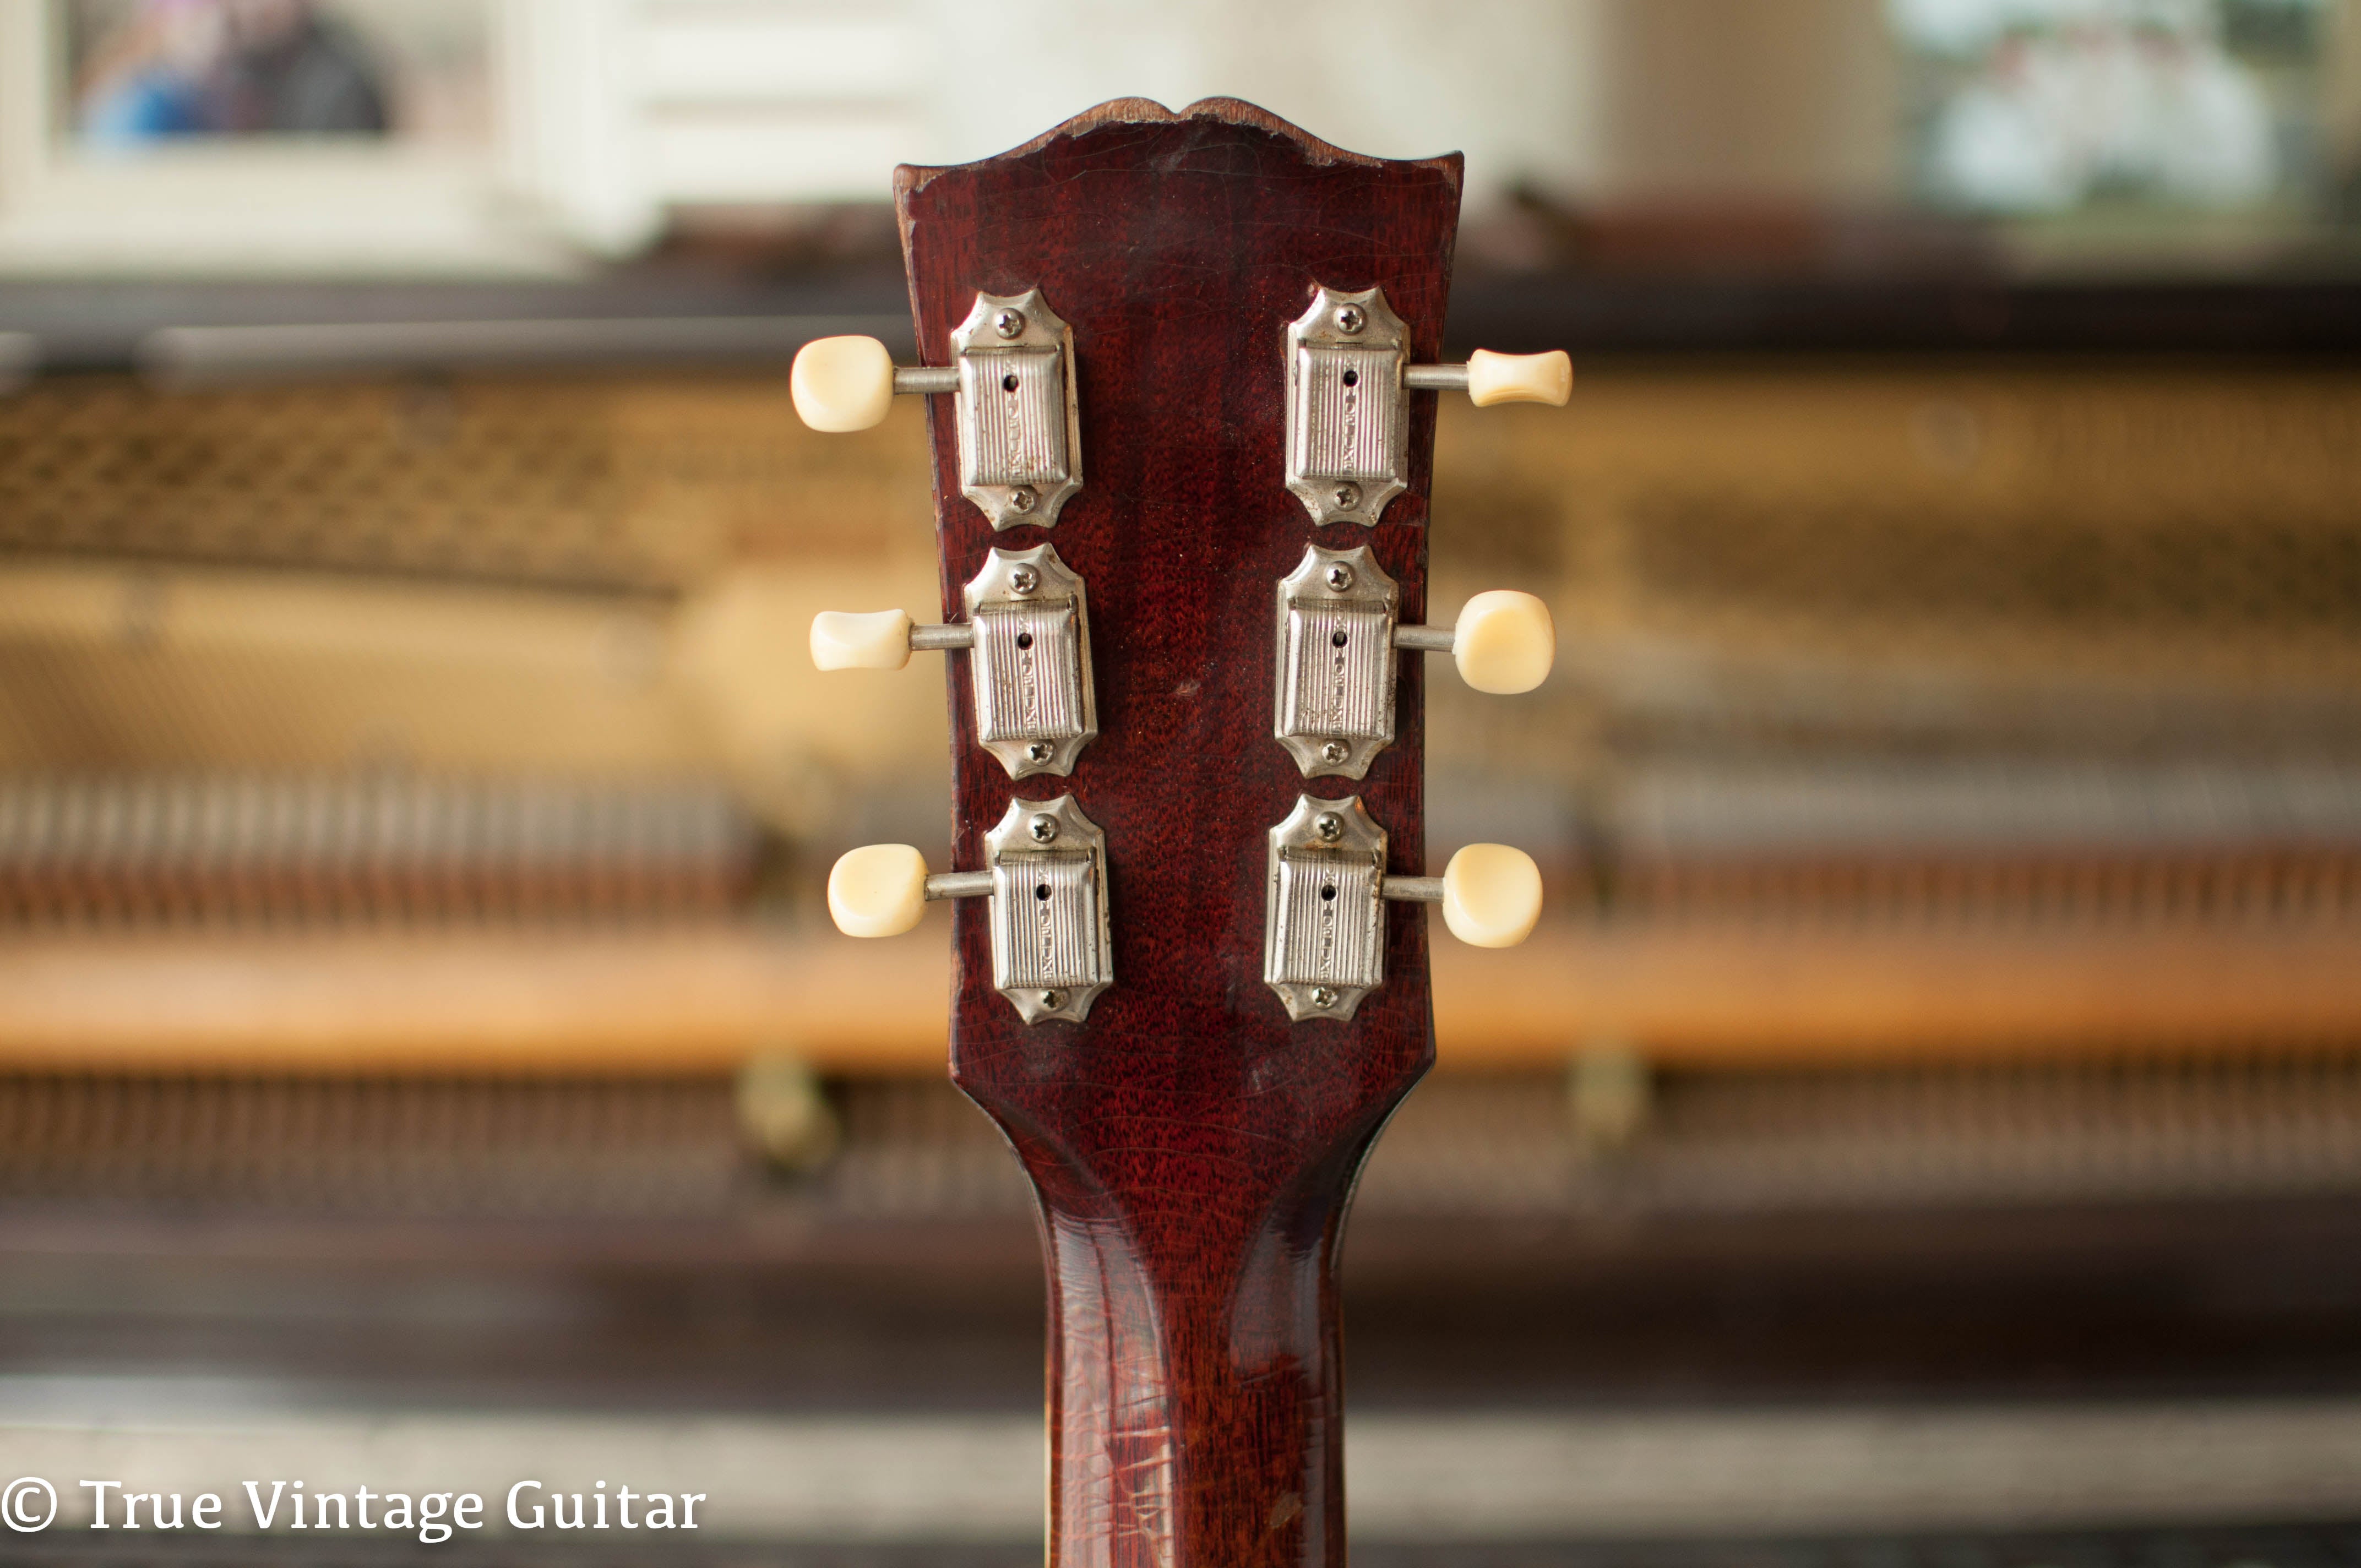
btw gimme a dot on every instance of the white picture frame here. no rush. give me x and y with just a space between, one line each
552 190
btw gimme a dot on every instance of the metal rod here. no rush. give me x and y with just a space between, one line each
1435 377
189 355
926 639
969 884
945 378
1417 639
1413 889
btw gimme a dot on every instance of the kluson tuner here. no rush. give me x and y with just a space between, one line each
1047 882
1019 432
1027 634
1325 926
1348 385
1338 634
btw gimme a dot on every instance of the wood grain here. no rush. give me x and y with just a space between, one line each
708 999
1192 1149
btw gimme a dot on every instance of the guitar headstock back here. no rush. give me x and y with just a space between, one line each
1177 249
1182 462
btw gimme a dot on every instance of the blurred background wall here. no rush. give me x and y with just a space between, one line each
1932 1104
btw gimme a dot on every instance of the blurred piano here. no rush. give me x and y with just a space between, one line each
1930 1128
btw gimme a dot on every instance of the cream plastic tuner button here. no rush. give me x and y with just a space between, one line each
842 640
1491 895
1520 378
878 639
1489 377
879 890
1504 642
847 383
841 383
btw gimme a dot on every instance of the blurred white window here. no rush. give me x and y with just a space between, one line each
2053 105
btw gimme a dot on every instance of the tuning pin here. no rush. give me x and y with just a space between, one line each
1503 642
1050 952
1491 894
847 383
1029 635
1325 942
1337 635
879 640
1348 405
1489 377
1012 373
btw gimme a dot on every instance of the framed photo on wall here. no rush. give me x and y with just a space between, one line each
245 137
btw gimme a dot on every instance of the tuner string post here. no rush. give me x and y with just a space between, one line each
1429 379
925 379
941 639
974 884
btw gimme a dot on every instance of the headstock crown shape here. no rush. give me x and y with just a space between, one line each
1182 432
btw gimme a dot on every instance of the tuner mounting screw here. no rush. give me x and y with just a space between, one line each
1323 997
1329 825
1340 577
1043 828
1008 323
1351 318
1053 1000
1040 750
1334 751
1022 499
1347 497
1023 580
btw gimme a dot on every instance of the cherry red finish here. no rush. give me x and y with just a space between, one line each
1193 1150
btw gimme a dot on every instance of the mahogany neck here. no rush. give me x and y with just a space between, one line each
1194 1148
